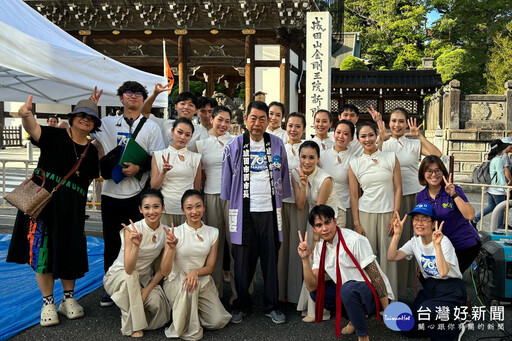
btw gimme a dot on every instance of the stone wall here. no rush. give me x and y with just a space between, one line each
463 125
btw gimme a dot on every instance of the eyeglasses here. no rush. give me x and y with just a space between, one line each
84 115
431 171
422 221
130 93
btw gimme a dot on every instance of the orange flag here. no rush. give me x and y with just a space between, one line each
167 69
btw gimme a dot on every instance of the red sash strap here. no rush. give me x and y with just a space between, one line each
320 291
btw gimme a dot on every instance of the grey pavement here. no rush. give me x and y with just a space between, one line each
101 323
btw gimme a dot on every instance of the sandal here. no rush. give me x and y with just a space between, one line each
137 334
349 329
49 316
71 309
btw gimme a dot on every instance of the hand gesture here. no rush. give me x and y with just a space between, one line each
303 248
166 166
414 130
449 186
130 169
383 133
376 116
303 178
437 236
144 293
191 282
159 88
95 97
398 225
26 109
359 229
170 238
135 236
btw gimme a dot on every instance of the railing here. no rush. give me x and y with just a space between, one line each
483 188
29 166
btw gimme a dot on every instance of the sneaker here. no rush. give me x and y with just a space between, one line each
237 316
277 316
71 309
106 301
49 316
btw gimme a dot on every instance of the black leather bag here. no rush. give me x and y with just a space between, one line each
111 159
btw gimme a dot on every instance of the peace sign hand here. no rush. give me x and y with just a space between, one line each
166 166
135 236
376 116
383 133
437 236
449 186
159 88
95 97
303 178
303 248
26 109
170 238
398 225
414 130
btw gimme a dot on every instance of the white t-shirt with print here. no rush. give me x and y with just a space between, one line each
260 193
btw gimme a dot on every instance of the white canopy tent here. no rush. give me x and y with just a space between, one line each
40 59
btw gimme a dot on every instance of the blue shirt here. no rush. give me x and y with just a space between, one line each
457 228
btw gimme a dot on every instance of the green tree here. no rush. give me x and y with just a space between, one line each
499 68
352 63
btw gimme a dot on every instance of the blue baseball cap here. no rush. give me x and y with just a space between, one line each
425 209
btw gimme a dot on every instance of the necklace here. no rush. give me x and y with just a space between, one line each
74 149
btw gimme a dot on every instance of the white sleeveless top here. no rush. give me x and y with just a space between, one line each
180 178
191 252
279 132
324 144
376 181
315 181
330 163
150 247
212 153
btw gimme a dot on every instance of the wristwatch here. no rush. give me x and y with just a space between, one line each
455 195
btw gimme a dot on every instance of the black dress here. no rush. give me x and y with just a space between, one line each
55 242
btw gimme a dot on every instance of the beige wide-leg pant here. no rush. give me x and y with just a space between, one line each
289 265
406 269
217 215
195 310
176 219
375 226
136 315
306 305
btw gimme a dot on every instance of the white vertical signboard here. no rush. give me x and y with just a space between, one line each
318 66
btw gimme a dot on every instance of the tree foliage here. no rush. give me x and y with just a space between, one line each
499 68
353 63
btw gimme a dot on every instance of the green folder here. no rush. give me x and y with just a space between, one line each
132 153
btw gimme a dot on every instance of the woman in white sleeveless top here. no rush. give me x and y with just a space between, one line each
129 281
217 210
275 115
322 123
408 151
335 162
188 262
289 266
176 169
377 174
313 185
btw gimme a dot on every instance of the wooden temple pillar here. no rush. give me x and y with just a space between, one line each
249 68
183 44
210 83
284 69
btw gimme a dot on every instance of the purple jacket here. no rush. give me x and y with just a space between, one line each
232 182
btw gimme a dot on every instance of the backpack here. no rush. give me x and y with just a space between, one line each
481 174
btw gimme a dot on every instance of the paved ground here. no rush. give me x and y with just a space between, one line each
104 323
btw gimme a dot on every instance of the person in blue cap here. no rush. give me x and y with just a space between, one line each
435 254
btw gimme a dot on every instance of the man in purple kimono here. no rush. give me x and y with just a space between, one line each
255 180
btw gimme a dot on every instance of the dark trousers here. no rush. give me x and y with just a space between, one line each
263 244
115 212
357 302
467 256
437 293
